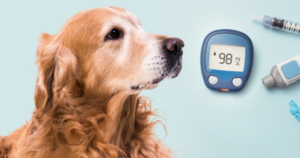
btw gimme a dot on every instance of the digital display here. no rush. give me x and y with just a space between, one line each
227 57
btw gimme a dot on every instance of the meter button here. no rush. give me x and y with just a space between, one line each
213 79
237 82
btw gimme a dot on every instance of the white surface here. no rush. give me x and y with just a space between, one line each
213 79
237 82
237 57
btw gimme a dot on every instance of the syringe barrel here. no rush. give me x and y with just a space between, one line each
291 27
281 24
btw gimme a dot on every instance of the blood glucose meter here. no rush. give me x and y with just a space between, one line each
226 60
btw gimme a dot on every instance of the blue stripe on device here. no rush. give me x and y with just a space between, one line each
291 69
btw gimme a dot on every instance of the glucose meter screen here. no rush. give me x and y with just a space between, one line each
227 57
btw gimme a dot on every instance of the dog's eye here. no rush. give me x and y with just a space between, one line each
114 34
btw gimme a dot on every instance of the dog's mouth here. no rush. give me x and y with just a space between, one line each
147 85
173 73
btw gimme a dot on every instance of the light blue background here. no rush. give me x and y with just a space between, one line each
201 123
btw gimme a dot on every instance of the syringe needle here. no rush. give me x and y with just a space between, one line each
258 19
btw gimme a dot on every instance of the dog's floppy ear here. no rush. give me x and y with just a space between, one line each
57 67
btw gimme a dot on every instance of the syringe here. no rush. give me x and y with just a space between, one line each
280 24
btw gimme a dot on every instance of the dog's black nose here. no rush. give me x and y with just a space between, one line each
174 46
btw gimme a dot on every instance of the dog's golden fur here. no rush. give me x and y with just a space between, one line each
78 113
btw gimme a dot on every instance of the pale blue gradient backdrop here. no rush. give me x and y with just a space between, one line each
201 123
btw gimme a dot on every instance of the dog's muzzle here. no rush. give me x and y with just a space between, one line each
166 65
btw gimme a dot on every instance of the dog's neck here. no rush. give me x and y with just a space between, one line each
82 125
121 109
108 118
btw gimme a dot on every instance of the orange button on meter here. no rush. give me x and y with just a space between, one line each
224 90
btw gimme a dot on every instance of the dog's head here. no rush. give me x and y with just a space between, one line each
106 49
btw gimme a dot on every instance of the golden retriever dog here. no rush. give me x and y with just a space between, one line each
87 102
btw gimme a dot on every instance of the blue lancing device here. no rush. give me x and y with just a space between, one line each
226 60
284 74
